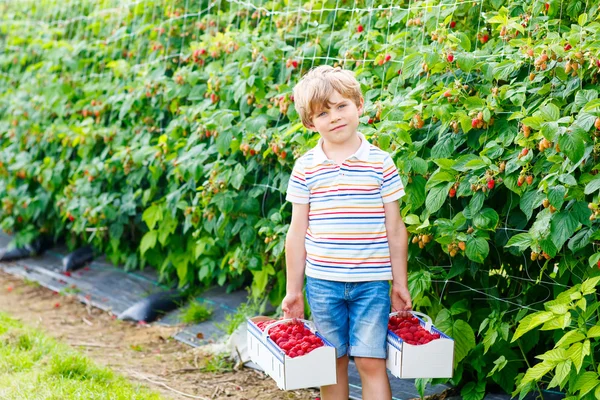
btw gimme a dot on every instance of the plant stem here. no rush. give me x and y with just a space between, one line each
529 366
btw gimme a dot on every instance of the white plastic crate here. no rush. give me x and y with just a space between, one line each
432 360
317 368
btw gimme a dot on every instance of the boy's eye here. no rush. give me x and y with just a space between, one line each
321 114
342 106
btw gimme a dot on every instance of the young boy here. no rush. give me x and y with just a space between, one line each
346 233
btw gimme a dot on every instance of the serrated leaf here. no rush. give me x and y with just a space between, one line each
575 353
593 332
152 215
499 364
556 195
520 240
437 196
554 355
580 240
589 285
561 373
148 241
486 219
593 185
549 112
473 391
459 330
489 340
536 372
569 338
476 202
562 227
586 382
573 145
531 321
477 249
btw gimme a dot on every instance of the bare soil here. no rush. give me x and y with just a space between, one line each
142 353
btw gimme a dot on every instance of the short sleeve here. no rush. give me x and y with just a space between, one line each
297 191
392 188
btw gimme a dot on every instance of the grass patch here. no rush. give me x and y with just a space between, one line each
196 312
34 366
235 319
218 363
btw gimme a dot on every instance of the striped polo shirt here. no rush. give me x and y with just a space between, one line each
346 239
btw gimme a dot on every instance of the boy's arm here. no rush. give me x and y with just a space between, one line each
398 243
295 259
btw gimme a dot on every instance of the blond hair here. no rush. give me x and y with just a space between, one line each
315 88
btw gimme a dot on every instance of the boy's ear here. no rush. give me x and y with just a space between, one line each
361 106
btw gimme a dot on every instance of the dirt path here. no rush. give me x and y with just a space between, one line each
146 353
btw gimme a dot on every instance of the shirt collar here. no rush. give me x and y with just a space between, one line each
362 153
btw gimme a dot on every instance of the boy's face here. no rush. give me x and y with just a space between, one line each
337 121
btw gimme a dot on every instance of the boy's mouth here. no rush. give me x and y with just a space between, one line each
338 127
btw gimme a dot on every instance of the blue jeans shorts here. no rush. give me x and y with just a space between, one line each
353 316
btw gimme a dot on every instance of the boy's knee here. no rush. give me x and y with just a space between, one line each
370 366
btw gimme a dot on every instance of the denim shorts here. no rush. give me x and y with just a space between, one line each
353 316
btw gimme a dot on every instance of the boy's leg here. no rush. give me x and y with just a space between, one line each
369 307
340 390
374 379
329 311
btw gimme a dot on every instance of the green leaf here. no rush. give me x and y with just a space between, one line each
489 340
580 240
593 185
248 236
152 215
459 330
576 353
549 112
531 321
415 192
573 145
148 241
594 260
438 177
503 70
477 249
586 382
533 122
466 62
561 373
562 227
589 285
536 372
499 364
529 200
556 196
476 202
237 178
486 219
593 332
437 196
224 141
473 391
520 240
554 355
418 165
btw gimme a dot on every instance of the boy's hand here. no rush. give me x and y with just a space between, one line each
293 306
401 300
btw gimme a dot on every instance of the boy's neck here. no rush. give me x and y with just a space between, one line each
339 152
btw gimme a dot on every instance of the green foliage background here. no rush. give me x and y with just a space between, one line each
164 133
